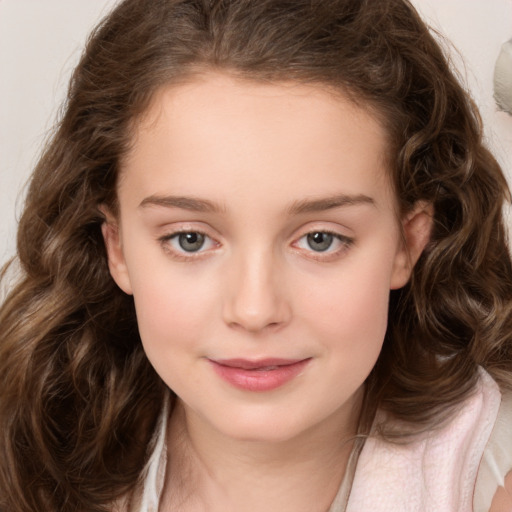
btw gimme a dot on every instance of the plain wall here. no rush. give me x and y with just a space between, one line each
41 40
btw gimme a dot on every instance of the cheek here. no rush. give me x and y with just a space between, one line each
173 308
172 320
349 310
170 307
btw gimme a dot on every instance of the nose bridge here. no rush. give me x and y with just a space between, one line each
256 298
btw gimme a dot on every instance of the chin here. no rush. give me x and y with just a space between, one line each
259 427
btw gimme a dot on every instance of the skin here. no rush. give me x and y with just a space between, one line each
256 168
502 501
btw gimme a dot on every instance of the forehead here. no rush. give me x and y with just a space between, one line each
202 91
217 130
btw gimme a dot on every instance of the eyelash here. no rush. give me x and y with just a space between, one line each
324 255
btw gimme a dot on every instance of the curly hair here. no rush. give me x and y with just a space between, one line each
78 398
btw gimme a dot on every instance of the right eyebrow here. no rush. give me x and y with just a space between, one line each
329 203
185 203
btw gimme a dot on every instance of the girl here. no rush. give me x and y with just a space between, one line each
263 267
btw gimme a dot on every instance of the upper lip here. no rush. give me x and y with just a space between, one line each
252 364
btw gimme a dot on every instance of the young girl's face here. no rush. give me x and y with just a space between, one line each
258 234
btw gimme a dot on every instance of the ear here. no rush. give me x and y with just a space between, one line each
416 229
116 261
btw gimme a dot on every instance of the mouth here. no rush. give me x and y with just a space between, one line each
259 375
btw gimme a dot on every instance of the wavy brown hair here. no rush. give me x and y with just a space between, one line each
78 399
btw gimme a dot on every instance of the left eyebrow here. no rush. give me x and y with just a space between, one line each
185 203
329 203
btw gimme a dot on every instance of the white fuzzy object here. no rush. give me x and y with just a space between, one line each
436 473
503 78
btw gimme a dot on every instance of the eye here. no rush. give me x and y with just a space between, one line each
323 242
319 241
188 242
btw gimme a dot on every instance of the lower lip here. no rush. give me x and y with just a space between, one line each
259 380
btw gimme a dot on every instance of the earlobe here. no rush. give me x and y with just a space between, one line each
116 261
416 230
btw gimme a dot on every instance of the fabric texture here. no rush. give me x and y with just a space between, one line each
437 472
497 458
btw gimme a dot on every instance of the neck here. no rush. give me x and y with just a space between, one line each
210 471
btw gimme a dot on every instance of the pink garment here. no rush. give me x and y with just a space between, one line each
435 473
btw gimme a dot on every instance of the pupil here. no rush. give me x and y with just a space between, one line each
320 241
191 242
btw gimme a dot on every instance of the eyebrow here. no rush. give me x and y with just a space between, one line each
186 203
329 203
297 207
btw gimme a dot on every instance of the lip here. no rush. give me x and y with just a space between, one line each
258 375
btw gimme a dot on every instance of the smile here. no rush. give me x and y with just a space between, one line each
259 375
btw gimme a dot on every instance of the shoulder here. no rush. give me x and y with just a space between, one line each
494 480
440 466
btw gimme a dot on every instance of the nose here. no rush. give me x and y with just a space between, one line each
256 298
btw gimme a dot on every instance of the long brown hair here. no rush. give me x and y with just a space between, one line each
78 398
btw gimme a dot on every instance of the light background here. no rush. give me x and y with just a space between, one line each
41 41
